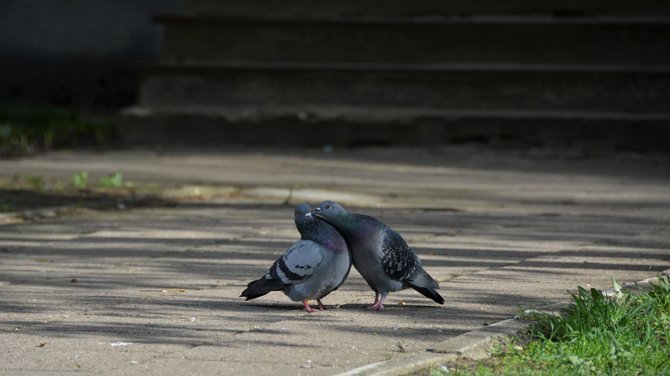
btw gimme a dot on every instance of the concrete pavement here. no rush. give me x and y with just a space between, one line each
155 290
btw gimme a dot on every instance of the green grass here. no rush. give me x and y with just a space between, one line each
80 180
114 180
593 336
25 130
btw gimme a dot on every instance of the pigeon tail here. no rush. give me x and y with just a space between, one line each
425 285
422 279
261 287
429 293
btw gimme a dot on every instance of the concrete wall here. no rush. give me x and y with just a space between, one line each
76 52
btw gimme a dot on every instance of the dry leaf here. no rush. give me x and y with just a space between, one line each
173 291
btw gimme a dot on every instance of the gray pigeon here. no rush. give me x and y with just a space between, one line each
311 268
379 253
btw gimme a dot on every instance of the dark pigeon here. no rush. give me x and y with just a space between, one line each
380 254
311 268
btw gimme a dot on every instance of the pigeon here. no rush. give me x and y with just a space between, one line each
380 254
311 268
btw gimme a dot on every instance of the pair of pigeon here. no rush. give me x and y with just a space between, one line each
331 239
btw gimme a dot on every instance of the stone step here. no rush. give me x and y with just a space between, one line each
431 7
355 126
533 39
513 87
396 72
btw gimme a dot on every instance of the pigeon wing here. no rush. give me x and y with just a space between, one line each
398 260
298 263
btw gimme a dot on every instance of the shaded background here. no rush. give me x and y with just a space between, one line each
77 52
591 75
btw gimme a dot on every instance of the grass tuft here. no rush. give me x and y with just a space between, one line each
595 335
26 130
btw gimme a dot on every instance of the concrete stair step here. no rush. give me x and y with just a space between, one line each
428 72
475 87
431 7
375 125
521 39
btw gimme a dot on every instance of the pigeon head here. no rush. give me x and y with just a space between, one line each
307 224
350 225
316 229
328 208
302 215
301 210
331 212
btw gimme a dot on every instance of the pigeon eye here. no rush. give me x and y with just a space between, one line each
328 207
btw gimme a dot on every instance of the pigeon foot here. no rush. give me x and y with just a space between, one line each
308 309
378 306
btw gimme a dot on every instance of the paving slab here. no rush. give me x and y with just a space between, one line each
155 290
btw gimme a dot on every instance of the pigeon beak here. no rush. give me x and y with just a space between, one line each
315 213
308 215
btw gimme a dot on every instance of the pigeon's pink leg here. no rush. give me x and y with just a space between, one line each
376 301
321 306
378 305
308 309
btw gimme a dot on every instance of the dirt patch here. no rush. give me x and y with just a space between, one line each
30 204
